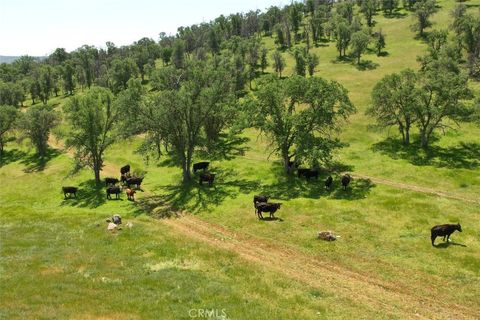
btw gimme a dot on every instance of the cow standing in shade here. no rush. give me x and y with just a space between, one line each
346 179
111 181
114 190
329 183
69 191
135 181
200 166
207 177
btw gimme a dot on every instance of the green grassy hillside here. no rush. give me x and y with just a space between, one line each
57 260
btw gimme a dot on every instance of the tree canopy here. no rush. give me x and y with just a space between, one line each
301 116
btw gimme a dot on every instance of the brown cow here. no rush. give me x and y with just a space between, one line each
130 194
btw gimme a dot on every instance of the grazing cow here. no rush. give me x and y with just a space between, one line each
200 166
346 181
111 181
69 191
135 181
114 190
267 207
329 182
444 230
207 177
130 194
125 169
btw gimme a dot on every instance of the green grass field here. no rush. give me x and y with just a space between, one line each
58 261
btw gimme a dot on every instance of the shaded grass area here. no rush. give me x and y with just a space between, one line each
465 155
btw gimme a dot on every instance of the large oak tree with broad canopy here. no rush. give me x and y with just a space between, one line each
189 110
301 116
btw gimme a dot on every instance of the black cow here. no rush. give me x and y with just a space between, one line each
444 230
69 191
346 181
200 166
136 181
267 207
207 177
312 174
125 169
114 190
125 177
260 198
302 172
329 182
308 173
111 181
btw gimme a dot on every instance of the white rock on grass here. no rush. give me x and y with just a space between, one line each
111 226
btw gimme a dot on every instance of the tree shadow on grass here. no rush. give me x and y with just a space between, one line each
395 15
10 156
35 163
445 245
343 59
357 189
193 197
472 5
291 187
462 156
365 65
227 147
89 195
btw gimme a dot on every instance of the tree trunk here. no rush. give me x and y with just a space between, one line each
358 59
187 175
424 138
406 140
97 174
97 165
286 160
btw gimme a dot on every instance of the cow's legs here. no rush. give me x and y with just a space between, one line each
433 239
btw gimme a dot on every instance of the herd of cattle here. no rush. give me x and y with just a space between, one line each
260 202
111 186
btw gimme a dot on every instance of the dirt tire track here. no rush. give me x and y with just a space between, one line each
379 295
410 187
